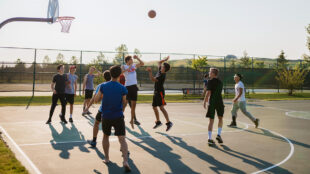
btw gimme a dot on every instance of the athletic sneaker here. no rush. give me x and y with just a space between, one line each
219 139
232 124
256 123
136 122
211 143
70 120
169 125
62 118
48 121
92 143
158 123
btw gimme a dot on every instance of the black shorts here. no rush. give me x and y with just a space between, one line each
88 93
132 92
70 98
118 124
158 99
98 116
218 108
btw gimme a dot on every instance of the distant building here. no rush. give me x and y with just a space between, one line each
230 56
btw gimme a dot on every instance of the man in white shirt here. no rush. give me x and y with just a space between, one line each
129 71
239 102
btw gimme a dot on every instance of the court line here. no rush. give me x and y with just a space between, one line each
116 139
21 151
294 116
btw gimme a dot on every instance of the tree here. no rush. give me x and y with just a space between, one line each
259 64
233 63
60 59
74 60
308 37
281 60
46 60
122 51
137 52
245 60
200 64
292 79
20 65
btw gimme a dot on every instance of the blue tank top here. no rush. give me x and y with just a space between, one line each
90 82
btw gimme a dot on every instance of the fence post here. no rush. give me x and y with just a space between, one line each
224 75
277 72
34 71
252 75
159 56
81 55
194 79
123 58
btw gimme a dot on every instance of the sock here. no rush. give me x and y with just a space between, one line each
210 135
70 115
219 131
94 139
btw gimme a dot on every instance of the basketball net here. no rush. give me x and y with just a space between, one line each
65 22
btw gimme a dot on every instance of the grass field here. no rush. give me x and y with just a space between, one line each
8 163
46 100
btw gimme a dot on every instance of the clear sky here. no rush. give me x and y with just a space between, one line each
261 27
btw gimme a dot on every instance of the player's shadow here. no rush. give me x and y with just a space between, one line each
253 161
265 132
159 150
113 167
67 140
92 120
217 166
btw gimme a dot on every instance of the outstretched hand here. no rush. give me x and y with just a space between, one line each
131 123
167 58
135 57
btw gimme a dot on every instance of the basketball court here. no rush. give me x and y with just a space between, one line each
280 145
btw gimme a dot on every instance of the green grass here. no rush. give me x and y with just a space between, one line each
8 163
46 100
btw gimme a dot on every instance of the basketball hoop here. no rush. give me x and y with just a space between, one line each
65 22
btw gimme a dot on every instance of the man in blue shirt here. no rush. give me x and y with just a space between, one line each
113 99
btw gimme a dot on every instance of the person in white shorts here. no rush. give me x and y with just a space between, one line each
239 102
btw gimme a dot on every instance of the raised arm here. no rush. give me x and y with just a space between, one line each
164 60
151 75
141 63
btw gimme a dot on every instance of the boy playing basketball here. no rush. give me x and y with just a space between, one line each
70 90
114 97
215 103
129 71
239 102
107 77
159 92
58 87
88 87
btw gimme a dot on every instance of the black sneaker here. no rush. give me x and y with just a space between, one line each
70 120
211 143
219 139
158 123
256 122
48 121
169 125
62 118
232 124
92 143
136 122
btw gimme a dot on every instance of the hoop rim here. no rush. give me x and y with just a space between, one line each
61 18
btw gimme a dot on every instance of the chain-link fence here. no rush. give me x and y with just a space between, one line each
31 70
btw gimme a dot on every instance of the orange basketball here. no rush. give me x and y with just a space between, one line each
152 14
